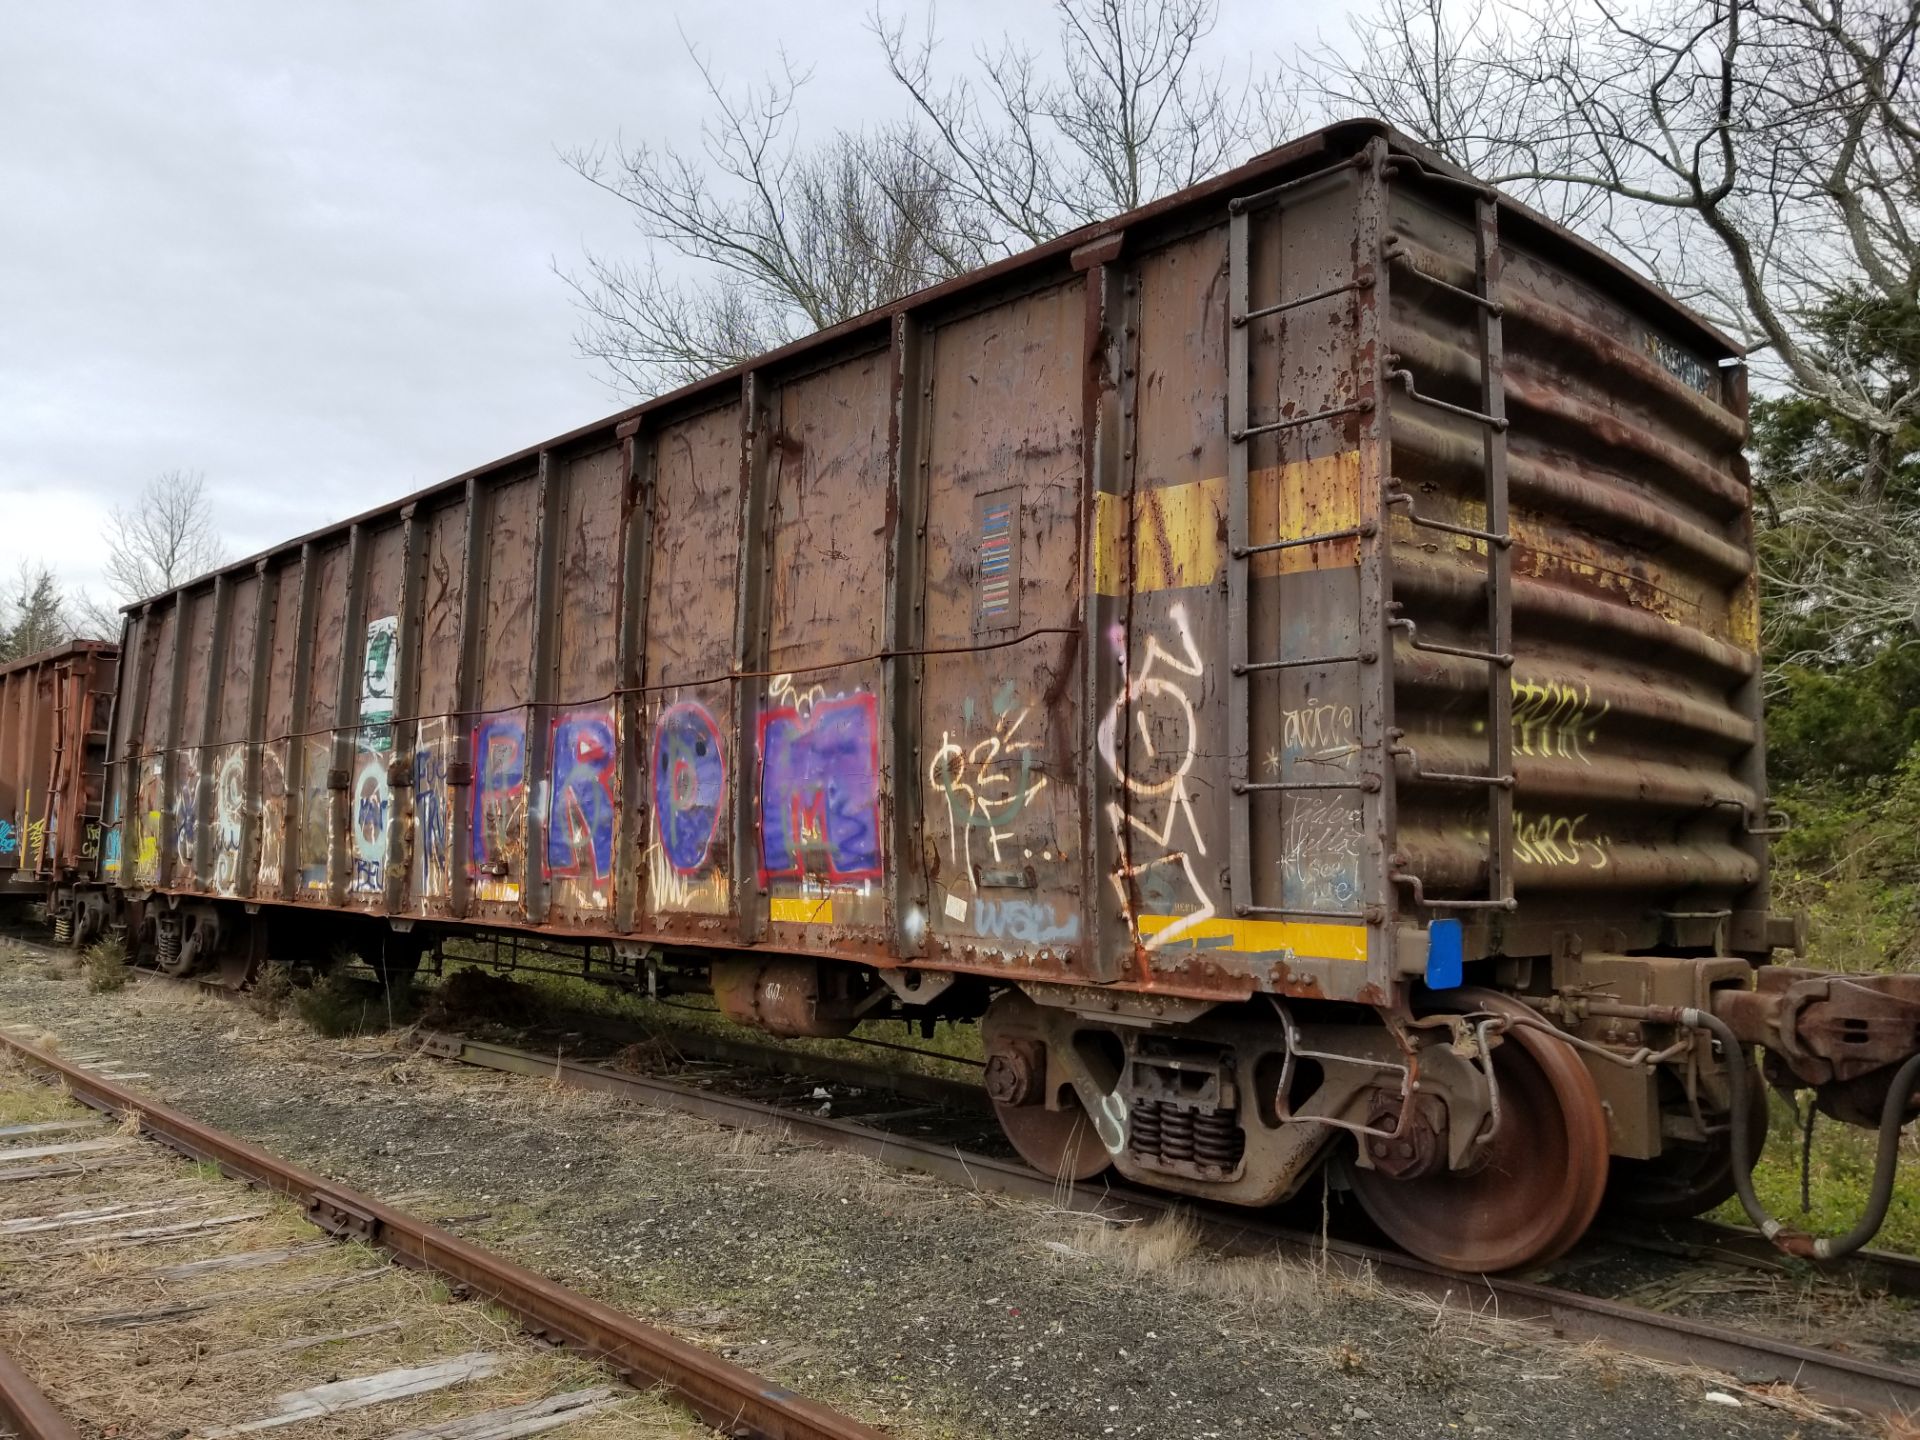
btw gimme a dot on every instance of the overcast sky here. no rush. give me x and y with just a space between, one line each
307 249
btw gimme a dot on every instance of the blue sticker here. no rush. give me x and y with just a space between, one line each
1446 950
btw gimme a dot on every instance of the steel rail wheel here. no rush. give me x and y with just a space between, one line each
1062 1143
1544 1175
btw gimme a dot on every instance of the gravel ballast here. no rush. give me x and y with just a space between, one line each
922 1307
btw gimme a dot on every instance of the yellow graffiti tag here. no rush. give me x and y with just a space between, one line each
1555 841
1553 719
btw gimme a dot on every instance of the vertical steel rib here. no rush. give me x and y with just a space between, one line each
1493 402
1239 684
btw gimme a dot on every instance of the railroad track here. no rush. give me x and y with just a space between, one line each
755 1085
91 1195
1754 1359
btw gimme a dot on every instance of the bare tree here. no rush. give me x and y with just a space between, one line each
165 538
786 239
33 614
1131 112
1759 157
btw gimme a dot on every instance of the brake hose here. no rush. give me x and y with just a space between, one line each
1886 1160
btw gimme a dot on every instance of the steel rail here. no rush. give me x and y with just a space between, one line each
732 1400
25 1411
1828 1375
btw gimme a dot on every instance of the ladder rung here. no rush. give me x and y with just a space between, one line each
1364 657
1400 622
1363 281
1359 407
1368 783
1396 496
1393 252
1405 377
1363 531
1442 777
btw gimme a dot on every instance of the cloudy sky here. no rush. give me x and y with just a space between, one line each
307 250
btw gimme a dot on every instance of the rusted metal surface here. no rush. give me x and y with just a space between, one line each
731 1399
54 710
1202 604
25 1411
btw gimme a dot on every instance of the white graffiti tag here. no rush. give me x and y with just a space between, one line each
987 786
1154 775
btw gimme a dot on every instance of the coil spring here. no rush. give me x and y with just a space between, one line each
1217 1140
1143 1128
1176 1134
168 944
62 928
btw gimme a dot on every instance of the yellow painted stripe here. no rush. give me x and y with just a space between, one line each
1179 531
803 910
1313 940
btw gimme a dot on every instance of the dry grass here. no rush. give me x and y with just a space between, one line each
229 1341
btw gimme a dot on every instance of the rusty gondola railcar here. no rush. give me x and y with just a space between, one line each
53 750
1279 649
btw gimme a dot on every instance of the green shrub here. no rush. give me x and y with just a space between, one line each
106 966
337 1006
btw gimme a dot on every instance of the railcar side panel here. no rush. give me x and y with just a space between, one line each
1096 681
817 742
53 740
691 865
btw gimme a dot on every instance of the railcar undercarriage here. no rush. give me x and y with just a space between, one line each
1481 1127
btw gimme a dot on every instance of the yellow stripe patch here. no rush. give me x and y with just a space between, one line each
1178 531
1311 940
802 910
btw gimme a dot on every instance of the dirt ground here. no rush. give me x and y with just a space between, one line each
927 1309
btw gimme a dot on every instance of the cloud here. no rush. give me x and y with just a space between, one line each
306 249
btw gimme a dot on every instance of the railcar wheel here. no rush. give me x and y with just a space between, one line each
1685 1180
1061 1143
1544 1175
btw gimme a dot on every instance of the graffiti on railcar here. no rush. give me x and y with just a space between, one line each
229 815
688 778
581 794
372 808
1320 848
820 789
498 830
36 842
379 679
110 851
432 812
1026 922
987 785
146 858
316 814
186 818
1559 841
1153 824
273 819
91 835
1552 719
9 838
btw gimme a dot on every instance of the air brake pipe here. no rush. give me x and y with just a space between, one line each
1886 1159
1885 1162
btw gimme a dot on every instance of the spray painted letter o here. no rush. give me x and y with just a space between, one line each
689 784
